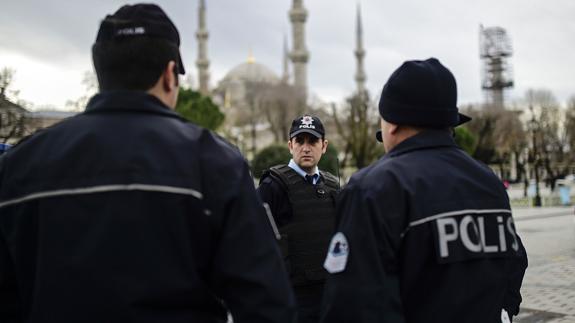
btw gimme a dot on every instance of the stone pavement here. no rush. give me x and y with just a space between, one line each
525 213
549 293
549 285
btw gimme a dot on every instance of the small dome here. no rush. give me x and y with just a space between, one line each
251 71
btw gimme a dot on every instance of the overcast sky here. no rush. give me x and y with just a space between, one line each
48 42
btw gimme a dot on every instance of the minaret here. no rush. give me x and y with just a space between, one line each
299 54
202 62
285 76
359 55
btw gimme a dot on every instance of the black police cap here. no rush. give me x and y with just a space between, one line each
307 124
140 20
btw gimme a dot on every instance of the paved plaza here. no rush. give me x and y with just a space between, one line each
549 285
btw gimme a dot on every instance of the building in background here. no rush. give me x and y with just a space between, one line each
495 51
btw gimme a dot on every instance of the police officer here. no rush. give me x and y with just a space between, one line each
425 234
4 148
302 200
128 213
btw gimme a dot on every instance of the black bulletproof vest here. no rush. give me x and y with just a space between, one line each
305 239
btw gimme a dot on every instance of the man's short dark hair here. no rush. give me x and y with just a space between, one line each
132 64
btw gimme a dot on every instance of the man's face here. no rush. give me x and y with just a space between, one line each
306 150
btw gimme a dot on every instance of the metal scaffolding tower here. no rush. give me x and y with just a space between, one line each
495 50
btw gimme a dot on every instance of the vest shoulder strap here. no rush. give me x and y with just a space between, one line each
330 180
279 174
287 176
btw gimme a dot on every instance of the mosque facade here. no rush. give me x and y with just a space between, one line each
234 92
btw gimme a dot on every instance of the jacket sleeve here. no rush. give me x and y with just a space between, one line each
516 273
367 290
277 199
10 307
9 300
249 274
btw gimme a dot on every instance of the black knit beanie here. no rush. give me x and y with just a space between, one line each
421 93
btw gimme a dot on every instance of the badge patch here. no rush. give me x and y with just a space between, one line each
337 254
471 234
307 122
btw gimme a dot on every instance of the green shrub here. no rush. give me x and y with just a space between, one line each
199 109
272 155
465 139
329 162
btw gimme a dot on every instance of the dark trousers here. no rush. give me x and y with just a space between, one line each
309 302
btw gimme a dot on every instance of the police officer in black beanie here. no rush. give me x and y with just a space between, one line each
129 213
425 234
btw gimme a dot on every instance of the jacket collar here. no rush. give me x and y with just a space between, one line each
429 138
129 101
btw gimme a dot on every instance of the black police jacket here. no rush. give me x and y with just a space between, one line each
426 235
127 213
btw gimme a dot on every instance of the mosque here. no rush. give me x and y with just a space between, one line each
232 92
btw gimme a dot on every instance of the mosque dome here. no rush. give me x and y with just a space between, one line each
234 87
251 71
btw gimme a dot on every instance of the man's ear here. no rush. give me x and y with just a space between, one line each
324 147
290 147
169 77
393 128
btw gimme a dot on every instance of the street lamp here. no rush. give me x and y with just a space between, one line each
534 126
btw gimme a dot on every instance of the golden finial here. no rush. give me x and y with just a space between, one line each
251 58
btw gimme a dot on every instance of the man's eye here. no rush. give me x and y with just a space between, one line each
300 141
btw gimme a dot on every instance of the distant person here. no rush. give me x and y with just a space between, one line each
4 148
302 201
128 213
425 234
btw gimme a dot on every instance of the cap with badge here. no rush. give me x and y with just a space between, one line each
140 20
421 93
307 124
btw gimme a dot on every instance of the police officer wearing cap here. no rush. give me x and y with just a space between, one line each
425 234
128 213
302 199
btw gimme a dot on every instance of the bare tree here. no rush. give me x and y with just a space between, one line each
547 147
280 104
272 105
357 125
483 126
501 139
90 83
569 129
13 122
14 119
6 77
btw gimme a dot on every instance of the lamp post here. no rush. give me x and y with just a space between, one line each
534 126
